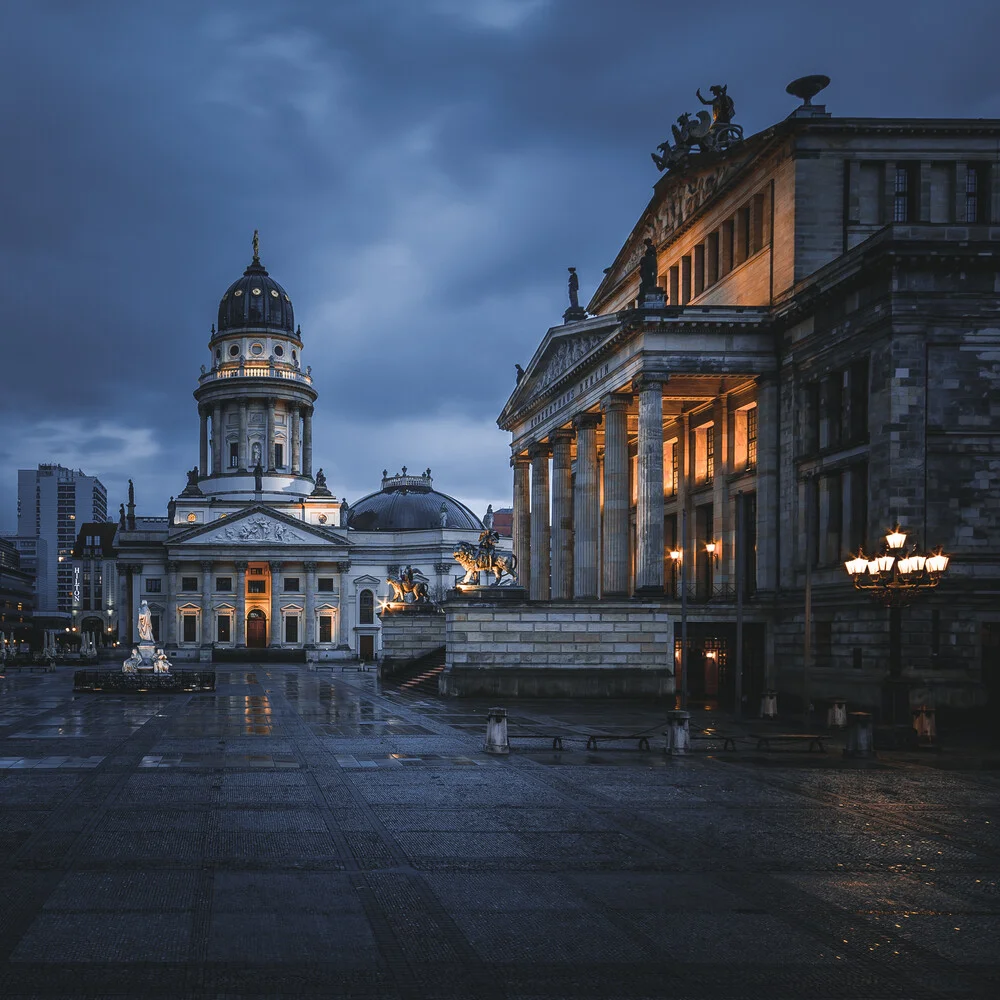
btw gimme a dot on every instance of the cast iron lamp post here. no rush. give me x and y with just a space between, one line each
894 578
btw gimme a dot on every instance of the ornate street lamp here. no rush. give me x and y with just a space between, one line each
895 577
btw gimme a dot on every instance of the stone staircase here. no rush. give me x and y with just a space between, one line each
420 675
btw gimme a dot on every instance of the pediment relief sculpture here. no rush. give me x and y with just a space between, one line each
566 355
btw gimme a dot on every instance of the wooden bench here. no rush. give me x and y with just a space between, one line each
557 741
728 741
764 741
610 737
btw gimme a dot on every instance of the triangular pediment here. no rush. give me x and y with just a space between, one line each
367 581
257 525
563 349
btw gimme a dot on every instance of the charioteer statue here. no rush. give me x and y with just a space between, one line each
710 133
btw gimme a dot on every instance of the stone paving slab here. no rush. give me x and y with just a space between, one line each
302 833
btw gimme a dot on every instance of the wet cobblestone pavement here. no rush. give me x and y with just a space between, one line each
302 833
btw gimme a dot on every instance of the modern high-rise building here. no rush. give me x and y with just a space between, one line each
52 501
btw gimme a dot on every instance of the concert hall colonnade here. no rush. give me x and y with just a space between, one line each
793 349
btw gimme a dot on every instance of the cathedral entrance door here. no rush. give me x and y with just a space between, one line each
256 629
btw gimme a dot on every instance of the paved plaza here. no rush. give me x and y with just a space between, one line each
302 833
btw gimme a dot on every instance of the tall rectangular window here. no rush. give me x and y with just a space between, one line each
710 454
751 437
675 465
223 629
326 628
279 456
292 628
901 195
234 455
190 628
154 621
971 194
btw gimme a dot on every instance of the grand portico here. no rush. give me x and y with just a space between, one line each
782 359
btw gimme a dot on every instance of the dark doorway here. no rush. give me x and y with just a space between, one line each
256 630
366 647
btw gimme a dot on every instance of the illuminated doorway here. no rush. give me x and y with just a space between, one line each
256 629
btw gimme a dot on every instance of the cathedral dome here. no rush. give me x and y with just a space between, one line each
409 503
256 301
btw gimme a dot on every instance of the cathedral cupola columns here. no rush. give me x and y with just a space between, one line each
255 400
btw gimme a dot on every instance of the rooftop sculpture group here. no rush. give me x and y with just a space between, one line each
709 133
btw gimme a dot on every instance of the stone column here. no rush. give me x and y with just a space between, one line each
586 508
170 600
343 568
276 636
295 459
203 441
241 603
769 513
522 518
616 495
268 462
649 509
310 603
207 617
724 526
540 531
307 442
217 439
243 459
562 516
685 470
135 587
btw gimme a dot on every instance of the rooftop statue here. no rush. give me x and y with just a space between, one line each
709 133
574 289
518 373
647 271
721 103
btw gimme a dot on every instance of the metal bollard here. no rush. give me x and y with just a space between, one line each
769 705
836 716
496 731
925 725
860 735
678 732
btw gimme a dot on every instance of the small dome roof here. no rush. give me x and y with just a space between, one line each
256 301
409 503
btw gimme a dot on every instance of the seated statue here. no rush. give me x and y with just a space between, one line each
161 665
133 662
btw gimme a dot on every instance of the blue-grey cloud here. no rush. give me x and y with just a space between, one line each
421 175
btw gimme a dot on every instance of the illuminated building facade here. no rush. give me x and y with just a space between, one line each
815 357
256 553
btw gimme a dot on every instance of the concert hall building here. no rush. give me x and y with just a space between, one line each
813 357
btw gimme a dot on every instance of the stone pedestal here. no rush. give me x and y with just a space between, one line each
769 705
678 732
860 735
496 732
836 716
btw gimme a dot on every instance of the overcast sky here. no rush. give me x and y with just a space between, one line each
421 172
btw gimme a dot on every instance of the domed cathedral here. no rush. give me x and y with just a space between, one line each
256 556
256 402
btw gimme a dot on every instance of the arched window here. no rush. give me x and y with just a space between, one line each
367 607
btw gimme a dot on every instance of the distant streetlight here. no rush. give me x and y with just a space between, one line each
895 577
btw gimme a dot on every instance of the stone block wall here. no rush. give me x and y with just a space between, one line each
409 633
572 648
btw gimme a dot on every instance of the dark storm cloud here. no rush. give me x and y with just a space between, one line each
421 173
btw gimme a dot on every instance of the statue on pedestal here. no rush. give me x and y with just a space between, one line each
145 623
161 665
131 665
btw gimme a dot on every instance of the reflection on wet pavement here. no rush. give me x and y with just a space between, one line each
306 833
